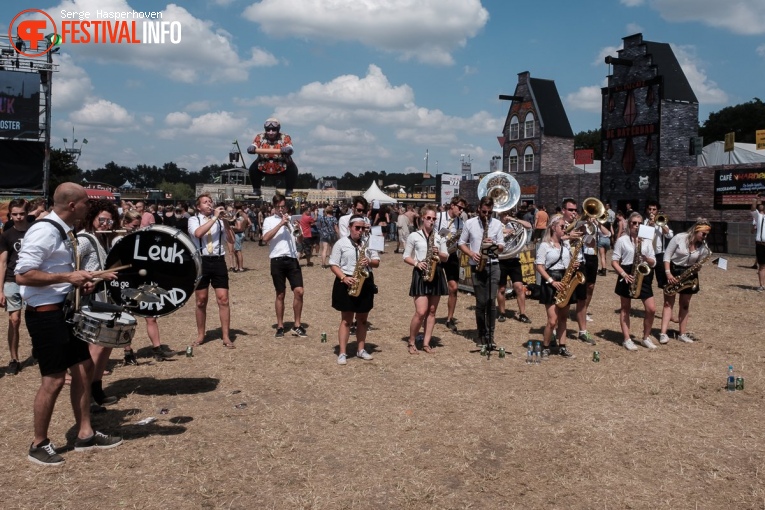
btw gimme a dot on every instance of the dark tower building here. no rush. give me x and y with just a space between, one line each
649 115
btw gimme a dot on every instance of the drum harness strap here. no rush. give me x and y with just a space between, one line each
220 237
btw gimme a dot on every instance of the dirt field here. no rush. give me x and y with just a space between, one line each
278 424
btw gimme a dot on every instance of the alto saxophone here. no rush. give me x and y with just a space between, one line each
486 248
688 278
360 272
431 257
452 238
571 278
639 270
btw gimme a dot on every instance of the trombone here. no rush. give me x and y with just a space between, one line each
592 208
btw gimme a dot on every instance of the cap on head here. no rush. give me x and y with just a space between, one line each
272 123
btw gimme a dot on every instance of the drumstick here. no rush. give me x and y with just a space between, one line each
111 270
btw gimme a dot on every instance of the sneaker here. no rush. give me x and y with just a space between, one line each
647 343
501 318
663 338
589 318
299 331
587 338
630 345
685 337
451 325
256 192
545 353
160 354
353 330
363 354
44 454
523 318
563 351
760 289
14 367
130 358
279 333
97 440
341 360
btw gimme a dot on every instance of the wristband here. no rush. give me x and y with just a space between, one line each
550 281
668 271
624 275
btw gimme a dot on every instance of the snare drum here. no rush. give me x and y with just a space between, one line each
104 329
170 260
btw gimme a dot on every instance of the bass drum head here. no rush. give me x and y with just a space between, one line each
170 260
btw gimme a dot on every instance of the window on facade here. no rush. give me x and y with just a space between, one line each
628 158
529 126
648 146
528 159
630 109
514 128
513 159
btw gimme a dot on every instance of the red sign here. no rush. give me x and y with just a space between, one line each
583 156
501 140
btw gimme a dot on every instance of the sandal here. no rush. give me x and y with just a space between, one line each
198 343
413 349
229 345
428 349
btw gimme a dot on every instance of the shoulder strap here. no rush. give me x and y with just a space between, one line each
560 256
58 227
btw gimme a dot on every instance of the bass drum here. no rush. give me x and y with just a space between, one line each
170 261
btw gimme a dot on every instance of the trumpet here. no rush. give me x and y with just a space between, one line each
296 230
661 219
592 208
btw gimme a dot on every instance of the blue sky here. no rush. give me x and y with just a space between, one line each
372 84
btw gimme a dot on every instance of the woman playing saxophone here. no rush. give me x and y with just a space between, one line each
684 256
424 250
624 258
552 260
350 257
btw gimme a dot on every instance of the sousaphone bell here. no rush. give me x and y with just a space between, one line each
504 189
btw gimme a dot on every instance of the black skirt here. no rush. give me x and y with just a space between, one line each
420 287
363 303
677 271
623 287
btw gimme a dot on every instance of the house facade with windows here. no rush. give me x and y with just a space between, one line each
538 141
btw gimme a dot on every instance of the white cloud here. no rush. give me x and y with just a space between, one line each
206 51
198 106
215 125
71 85
706 90
605 52
588 99
104 114
178 119
349 136
632 3
427 30
737 16
633 28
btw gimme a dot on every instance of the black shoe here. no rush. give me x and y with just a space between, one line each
99 397
545 353
299 331
562 351
14 367
161 354
44 454
451 325
522 318
279 333
256 192
353 330
97 440
130 358
501 318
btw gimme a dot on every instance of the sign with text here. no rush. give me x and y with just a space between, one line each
759 137
584 156
19 104
736 189
730 141
449 187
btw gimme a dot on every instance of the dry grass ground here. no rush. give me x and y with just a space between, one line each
449 430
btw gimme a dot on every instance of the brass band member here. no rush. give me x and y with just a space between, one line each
569 212
552 259
422 247
511 267
451 221
683 251
662 235
480 232
350 261
622 261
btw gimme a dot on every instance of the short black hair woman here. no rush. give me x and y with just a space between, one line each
349 256
683 252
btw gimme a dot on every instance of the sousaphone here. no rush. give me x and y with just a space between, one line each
506 192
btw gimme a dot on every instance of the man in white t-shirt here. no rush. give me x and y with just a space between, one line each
359 206
758 218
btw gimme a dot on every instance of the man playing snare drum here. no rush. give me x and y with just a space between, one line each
45 273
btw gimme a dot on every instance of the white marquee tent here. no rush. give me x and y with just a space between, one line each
374 193
714 154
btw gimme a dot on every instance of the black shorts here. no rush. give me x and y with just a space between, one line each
54 346
590 268
661 275
759 251
623 288
213 272
452 268
307 243
363 303
512 268
283 269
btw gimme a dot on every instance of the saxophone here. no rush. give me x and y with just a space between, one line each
451 237
431 257
639 270
688 278
360 272
484 254
571 278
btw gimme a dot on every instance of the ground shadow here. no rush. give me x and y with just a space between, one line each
744 287
353 348
154 386
217 334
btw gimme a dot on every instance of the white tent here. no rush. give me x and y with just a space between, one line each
374 193
714 154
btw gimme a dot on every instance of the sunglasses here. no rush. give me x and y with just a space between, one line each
483 211
270 130
634 223
461 208
358 228
105 221
360 210
572 210
431 218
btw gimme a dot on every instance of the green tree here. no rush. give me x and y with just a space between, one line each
589 140
180 190
62 169
743 119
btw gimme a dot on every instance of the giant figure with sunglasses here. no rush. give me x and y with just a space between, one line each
474 236
274 150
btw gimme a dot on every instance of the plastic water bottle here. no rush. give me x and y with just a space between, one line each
731 386
538 352
529 352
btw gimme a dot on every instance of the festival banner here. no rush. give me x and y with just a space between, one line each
19 104
735 189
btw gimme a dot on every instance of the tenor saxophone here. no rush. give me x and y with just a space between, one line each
639 270
360 272
484 256
431 257
570 279
688 278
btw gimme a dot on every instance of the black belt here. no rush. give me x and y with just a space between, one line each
212 256
45 308
285 257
